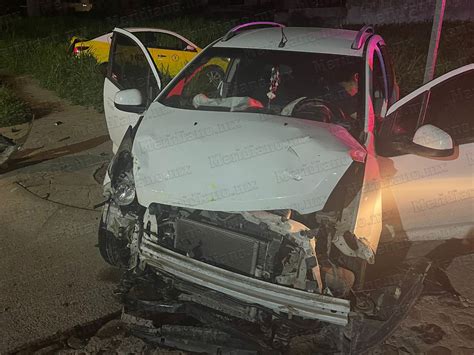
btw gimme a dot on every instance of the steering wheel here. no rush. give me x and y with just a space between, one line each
317 110
323 111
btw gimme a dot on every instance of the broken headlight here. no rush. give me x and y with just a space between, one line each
123 191
121 172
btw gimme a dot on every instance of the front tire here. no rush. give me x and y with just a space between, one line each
113 250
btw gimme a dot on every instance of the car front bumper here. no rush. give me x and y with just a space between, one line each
279 299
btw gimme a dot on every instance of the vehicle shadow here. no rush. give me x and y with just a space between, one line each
27 157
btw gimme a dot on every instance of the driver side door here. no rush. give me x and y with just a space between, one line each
130 67
428 194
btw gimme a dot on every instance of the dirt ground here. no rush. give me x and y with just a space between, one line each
437 325
51 274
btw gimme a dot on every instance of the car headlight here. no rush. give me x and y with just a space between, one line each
123 191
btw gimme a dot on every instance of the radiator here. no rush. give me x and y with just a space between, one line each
217 246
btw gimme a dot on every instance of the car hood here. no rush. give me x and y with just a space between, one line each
238 161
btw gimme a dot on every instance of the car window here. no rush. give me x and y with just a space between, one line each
451 107
400 125
270 81
404 121
161 40
130 68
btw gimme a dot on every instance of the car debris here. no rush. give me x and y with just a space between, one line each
7 148
258 204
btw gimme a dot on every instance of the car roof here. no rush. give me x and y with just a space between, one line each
299 39
106 37
146 29
150 29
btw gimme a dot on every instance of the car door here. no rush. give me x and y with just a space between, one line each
426 195
367 223
130 67
170 51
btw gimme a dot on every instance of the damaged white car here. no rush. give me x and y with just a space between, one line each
263 199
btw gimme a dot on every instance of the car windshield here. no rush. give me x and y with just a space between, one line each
315 86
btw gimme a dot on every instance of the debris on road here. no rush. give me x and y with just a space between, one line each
7 148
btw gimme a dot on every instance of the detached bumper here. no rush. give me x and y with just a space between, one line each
277 298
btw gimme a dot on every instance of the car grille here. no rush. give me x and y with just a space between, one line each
217 246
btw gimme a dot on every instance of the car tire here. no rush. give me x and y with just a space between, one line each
112 249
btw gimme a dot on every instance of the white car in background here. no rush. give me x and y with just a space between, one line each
264 199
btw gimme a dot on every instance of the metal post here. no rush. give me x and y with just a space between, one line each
434 41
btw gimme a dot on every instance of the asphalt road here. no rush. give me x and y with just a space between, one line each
51 274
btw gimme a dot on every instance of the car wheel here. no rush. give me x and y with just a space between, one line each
113 250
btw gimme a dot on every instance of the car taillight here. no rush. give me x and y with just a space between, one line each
77 50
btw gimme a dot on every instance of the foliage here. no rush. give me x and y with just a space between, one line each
78 79
13 110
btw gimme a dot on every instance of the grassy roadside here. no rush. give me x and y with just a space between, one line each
408 46
13 110
27 47
79 80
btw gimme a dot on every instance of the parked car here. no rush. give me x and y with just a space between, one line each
169 50
263 199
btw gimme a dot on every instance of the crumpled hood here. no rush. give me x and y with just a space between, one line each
237 161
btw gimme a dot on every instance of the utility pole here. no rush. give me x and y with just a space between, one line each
434 41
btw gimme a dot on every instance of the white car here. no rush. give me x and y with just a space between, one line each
265 199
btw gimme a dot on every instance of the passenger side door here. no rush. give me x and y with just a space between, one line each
169 51
130 67
428 193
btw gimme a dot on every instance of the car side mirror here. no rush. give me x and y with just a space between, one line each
434 138
129 100
432 141
428 141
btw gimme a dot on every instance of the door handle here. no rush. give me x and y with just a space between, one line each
161 56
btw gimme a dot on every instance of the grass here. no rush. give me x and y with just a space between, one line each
13 110
408 46
78 80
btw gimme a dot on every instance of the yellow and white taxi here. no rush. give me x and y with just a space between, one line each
169 50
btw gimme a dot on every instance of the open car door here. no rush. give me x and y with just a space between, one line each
169 50
132 72
426 154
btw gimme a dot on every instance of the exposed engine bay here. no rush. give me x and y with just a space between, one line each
270 246
278 249
274 246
